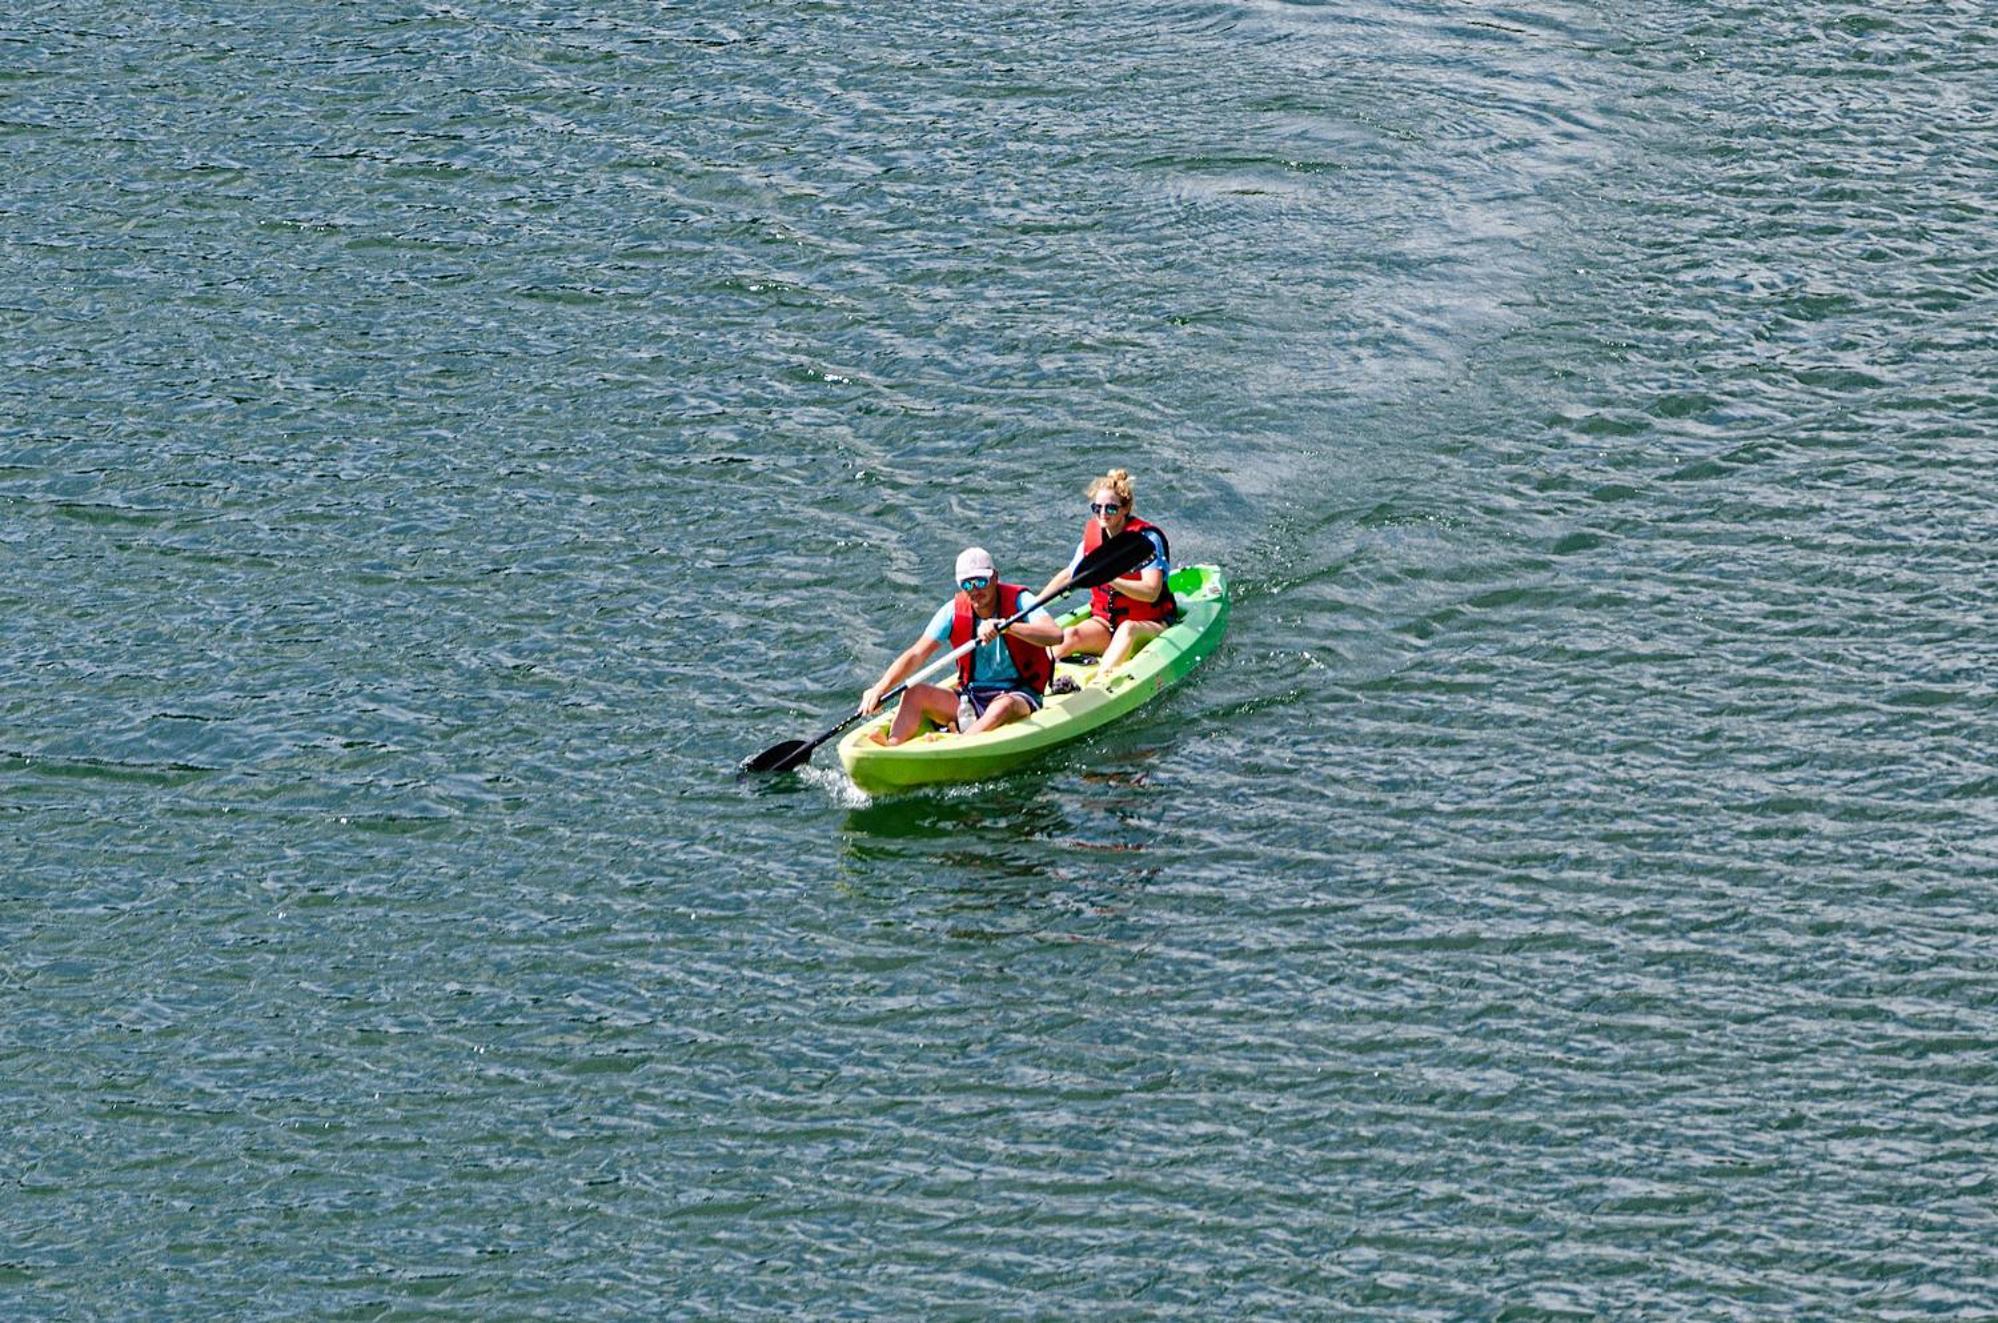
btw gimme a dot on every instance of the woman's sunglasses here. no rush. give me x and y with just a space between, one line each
972 585
1109 509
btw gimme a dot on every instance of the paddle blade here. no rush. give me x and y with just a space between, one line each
780 757
1113 560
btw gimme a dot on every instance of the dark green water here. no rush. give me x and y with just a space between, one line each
437 441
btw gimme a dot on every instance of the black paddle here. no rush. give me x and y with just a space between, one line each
1114 559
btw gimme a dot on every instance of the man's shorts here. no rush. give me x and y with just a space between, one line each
972 703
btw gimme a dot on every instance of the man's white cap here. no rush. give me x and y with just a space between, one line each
974 561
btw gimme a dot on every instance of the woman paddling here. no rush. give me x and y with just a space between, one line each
1125 613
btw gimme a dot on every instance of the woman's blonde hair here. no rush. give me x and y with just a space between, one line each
1117 480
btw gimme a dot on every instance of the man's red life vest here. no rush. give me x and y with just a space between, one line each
1035 666
1115 607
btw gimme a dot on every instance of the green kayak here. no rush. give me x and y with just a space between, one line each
1202 593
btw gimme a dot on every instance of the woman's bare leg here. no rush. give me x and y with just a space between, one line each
1130 636
1091 636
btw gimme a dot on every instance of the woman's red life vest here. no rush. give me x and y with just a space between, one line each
1115 607
1035 666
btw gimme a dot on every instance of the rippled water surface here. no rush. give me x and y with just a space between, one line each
436 442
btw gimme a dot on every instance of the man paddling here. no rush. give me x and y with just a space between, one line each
999 681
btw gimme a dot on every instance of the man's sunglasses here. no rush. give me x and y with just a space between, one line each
972 585
1109 509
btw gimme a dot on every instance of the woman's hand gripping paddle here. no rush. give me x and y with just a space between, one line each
1113 560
